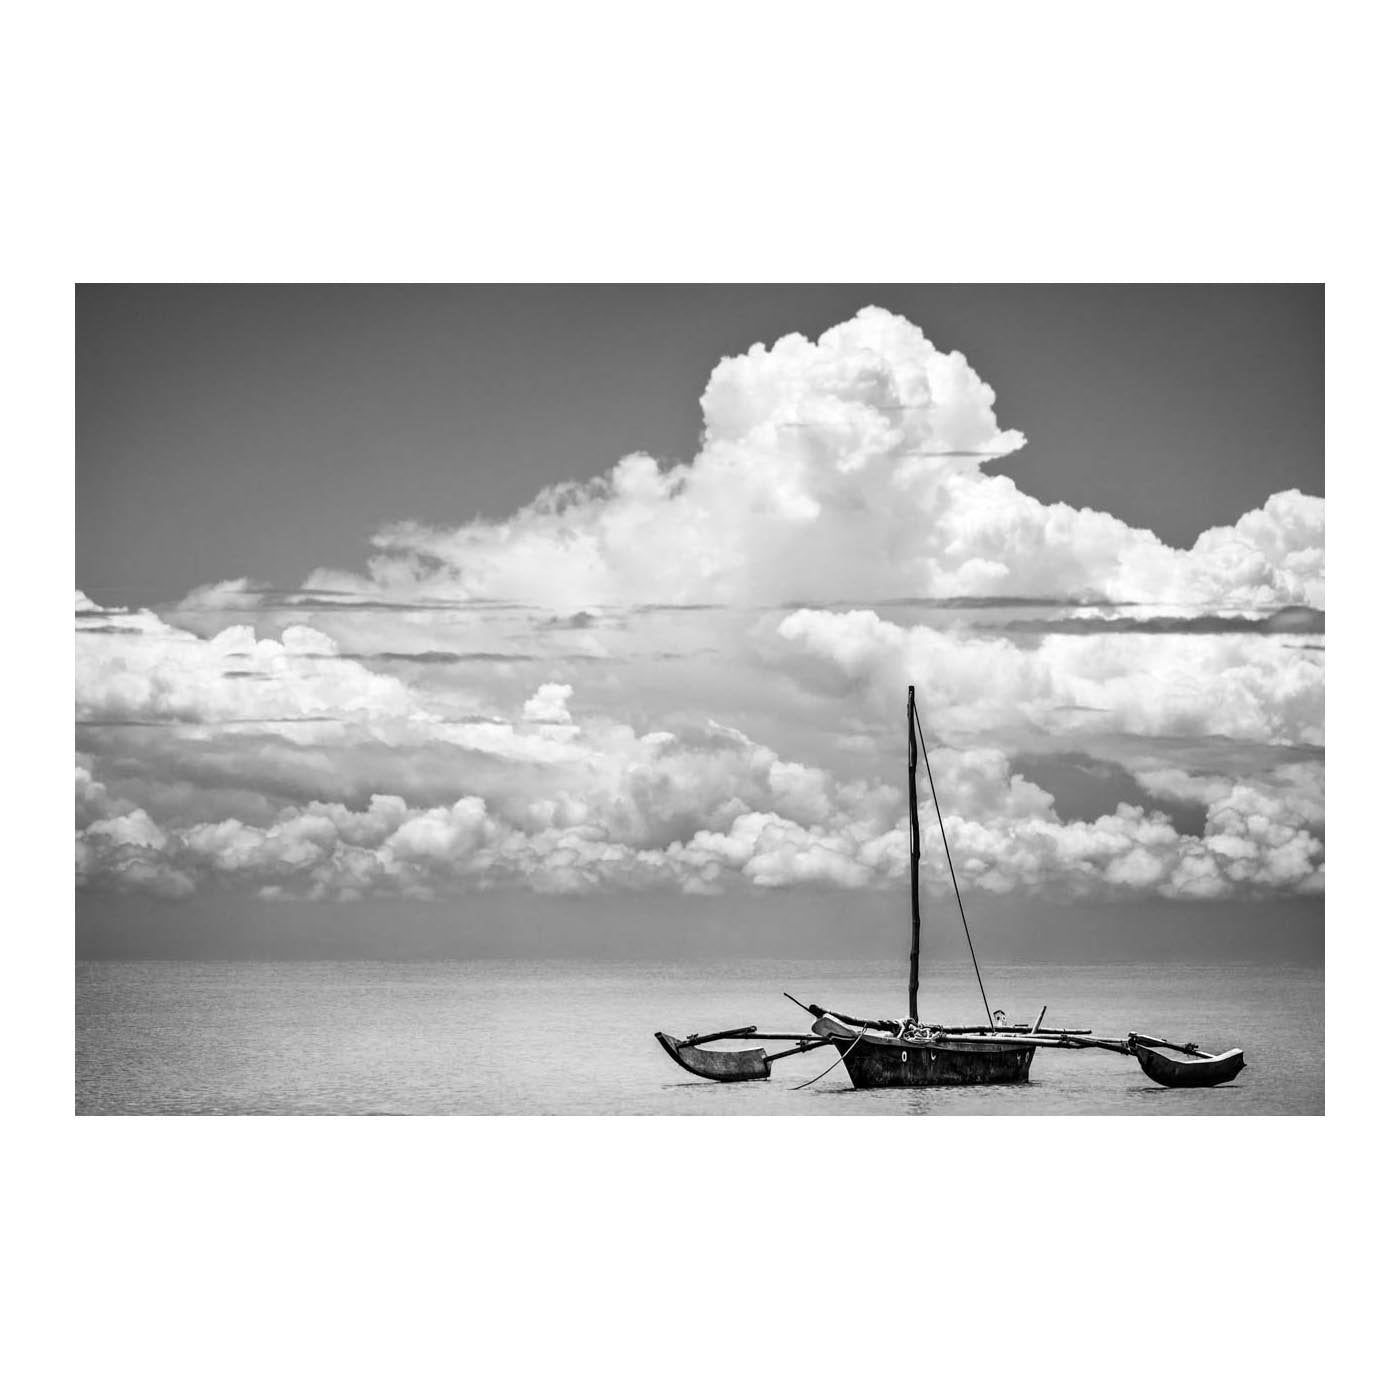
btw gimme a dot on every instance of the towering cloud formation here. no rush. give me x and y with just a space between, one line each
442 723
851 467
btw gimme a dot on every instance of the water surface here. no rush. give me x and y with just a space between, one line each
557 1037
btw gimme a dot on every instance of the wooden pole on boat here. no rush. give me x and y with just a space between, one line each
913 869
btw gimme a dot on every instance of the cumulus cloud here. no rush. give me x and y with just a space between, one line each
700 813
847 467
1244 687
150 670
549 705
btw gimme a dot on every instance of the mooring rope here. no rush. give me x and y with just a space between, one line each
832 1066
952 873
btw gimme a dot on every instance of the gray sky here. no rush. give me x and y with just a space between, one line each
663 715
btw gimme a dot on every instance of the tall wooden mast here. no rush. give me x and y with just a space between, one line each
916 728
913 868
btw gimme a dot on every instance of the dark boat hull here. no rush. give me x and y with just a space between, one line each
723 1066
1188 1074
874 1064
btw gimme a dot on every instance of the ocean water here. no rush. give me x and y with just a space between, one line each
557 1037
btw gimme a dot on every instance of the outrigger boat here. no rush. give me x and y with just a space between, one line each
909 1053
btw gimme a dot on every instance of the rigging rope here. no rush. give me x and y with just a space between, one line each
952 873
834 1063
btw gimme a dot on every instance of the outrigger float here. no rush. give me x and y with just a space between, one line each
909 1053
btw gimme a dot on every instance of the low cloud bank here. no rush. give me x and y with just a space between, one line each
597 806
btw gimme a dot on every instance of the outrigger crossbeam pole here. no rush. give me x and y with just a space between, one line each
749 1033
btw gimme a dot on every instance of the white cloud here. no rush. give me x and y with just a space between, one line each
1244 687
698 815
549 705
148 670
819 478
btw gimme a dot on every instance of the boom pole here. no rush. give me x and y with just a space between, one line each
913 868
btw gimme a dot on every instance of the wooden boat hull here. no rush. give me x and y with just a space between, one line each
723 1066
874 1064
1188 1074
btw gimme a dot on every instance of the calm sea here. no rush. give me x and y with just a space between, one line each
490 1037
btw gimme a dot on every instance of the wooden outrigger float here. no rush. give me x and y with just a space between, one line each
909 1053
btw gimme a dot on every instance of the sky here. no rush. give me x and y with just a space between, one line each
434 621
